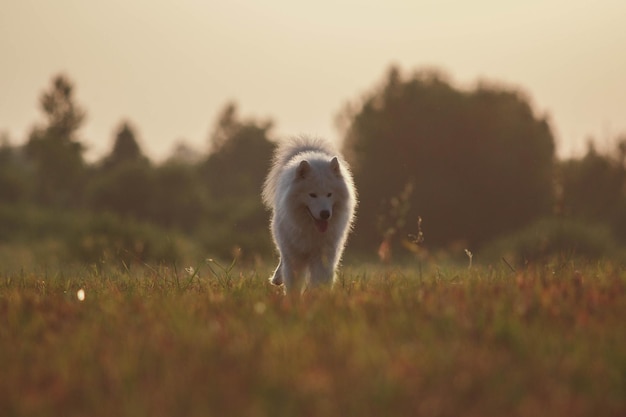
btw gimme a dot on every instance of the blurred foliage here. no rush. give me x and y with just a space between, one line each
15 181
479 162
458 168
593 188
126 149
240 157
127 189
54 150
107 238
552 239
91 237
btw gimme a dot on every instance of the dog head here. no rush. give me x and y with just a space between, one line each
320 189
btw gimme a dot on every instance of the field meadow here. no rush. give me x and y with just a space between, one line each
215 339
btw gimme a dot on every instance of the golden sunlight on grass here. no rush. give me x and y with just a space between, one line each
451 341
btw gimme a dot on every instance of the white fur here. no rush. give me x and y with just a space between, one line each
308 182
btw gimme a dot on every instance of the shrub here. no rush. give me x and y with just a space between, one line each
92 237
551 238
108 238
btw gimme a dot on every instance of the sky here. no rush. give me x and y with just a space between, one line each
170 67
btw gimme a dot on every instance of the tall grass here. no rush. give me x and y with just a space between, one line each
219 340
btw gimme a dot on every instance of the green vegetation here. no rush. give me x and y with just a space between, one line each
104 314
547 238
219 340
474 164
479 162
84 237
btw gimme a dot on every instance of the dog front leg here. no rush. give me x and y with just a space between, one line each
322 271
292 277
277 278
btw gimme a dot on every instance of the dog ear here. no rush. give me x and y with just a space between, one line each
334 166
303 169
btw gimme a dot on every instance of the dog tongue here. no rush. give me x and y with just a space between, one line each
321 225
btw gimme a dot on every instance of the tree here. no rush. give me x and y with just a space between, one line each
477 163
183 153
126 183
54 149
592 185
240 156
14 180
128 189
181 198
234 173
126 149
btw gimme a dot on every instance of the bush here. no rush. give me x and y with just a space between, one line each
24 223
108 238
92 238
552 238
242 229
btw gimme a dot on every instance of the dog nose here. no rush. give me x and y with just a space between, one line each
324 214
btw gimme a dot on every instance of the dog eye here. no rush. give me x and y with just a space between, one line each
329 195
313 195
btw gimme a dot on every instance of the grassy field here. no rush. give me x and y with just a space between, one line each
547 340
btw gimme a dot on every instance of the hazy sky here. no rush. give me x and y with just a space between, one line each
170 66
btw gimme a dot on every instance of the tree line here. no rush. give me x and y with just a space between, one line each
435 166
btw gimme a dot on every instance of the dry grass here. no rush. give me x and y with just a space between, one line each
161 342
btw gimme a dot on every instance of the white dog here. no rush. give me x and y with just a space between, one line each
312 197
